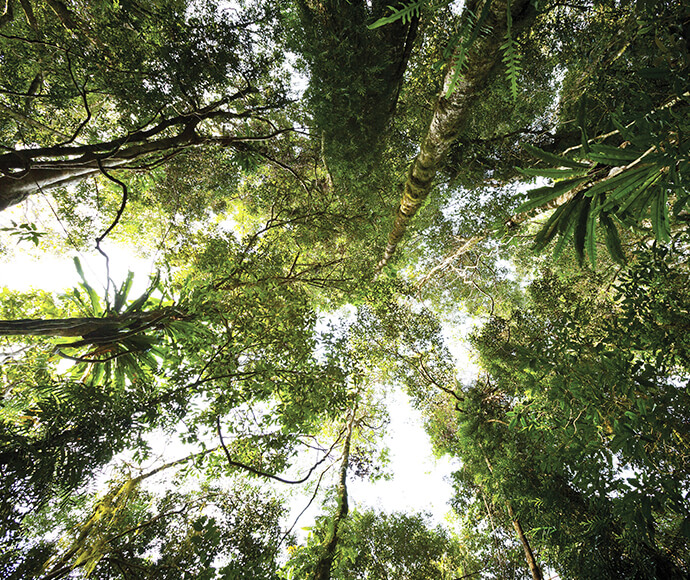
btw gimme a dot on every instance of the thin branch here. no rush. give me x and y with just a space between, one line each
255 471
119 211
82 93
94 360
292 527
427 374
487 295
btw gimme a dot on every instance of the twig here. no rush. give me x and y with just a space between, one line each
292 527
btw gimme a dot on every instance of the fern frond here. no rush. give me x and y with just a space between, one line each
511 56
406 14
472 29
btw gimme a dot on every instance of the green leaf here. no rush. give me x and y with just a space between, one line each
650 179
475 25
562 240
660 223
621 182
554 173
581 229
613 155
591 233
622 129
96 307
94 299
122 293
98 373
511 57
543 195
139 303
80 270
406 13
559 222
556 160
613 242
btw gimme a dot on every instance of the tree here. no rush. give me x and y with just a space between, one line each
453 103
112 535
248 342
322 568
571 439
140 84
379 545
352 105
567 388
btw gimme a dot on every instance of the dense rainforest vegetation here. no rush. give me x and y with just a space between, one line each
330 189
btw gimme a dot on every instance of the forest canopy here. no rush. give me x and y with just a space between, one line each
333 193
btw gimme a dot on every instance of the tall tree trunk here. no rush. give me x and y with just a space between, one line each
322 570
14 190
450 113
529 555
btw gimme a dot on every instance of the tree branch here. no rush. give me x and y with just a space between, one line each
255 471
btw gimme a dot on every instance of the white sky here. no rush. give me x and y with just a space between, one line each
57 273
419 482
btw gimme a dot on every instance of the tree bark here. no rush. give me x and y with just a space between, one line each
534 568
14 190
529 555
323 566
93 330
64 169
450 113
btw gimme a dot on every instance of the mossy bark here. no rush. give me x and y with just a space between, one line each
323 567
451 113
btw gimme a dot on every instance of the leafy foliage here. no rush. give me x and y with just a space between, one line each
378 545
269 346
573 412
25 232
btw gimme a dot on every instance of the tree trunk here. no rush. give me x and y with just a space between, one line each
92 330
322 570
450 113
27 171
529 555
14 190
